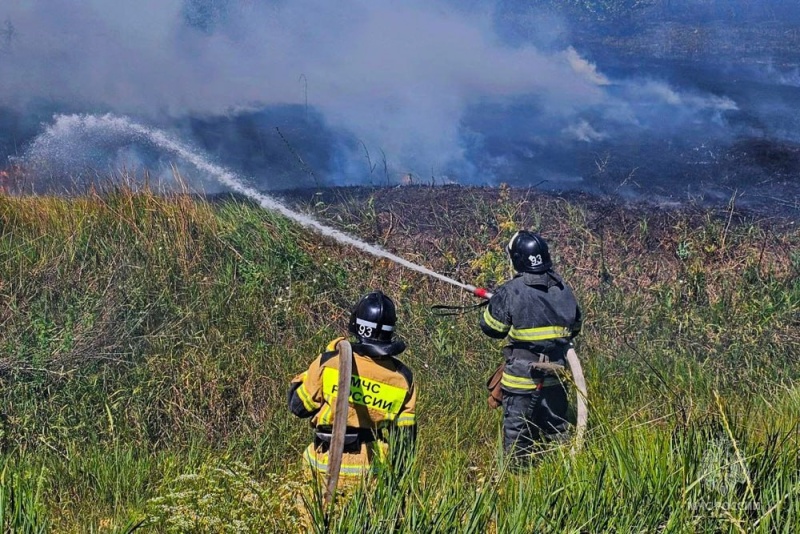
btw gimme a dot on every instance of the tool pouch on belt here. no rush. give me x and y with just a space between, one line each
495 390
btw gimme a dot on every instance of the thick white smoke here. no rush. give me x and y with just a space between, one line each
398 76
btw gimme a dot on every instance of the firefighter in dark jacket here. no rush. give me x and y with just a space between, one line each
382 393
538 313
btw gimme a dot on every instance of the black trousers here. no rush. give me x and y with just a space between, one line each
532 416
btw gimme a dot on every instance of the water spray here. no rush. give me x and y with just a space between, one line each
66 124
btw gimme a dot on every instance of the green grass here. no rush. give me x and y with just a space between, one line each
146 343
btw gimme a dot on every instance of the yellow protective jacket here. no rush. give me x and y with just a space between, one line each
382 399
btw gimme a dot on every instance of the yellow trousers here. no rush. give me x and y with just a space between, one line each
355 464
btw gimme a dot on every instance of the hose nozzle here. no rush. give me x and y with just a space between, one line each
480 292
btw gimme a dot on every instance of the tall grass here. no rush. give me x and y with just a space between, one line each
146 342
21 507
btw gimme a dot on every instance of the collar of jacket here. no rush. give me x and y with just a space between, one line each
380 350
546 279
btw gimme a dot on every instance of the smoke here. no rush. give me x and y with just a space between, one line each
398 76
356 91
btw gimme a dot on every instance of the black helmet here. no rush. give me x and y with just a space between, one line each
373 318
528 253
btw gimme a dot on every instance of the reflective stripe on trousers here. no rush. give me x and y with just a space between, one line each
353 464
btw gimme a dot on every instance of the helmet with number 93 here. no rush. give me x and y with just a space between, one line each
373 318
528 253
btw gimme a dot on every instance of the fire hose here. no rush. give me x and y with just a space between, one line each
576 370
340 411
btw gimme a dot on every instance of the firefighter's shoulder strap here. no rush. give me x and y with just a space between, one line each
340 411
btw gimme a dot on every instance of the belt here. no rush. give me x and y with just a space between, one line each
352 436
542 347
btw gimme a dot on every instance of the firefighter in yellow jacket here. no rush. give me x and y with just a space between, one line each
382 392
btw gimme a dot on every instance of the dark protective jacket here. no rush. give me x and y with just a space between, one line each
538 311
540 315
382 400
